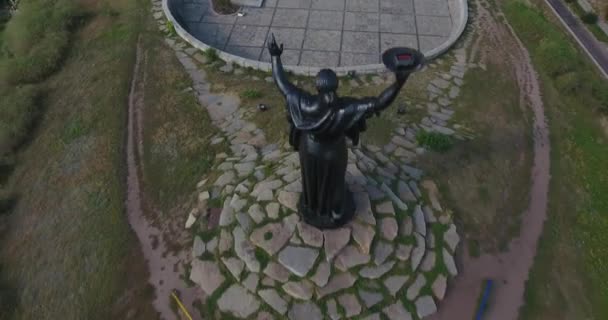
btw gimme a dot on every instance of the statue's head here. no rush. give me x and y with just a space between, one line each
327 84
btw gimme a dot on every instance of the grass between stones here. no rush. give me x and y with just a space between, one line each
486 179
569 279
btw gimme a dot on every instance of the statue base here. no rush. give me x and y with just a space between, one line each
323 220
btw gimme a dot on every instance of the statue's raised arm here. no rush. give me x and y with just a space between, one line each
389 94
278 74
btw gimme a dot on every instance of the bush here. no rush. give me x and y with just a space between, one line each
435 141
35 39
589 18
18 110
212 54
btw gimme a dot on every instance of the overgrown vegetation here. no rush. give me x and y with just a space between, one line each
589 18
434 141
224 6
569 279
251 94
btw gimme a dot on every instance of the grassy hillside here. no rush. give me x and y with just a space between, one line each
570 277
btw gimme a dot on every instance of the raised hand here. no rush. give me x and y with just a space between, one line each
273 48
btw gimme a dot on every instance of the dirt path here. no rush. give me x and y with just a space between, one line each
165 267
509 269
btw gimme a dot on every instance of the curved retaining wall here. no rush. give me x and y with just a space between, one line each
458 11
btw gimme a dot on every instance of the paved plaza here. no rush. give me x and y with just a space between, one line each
322 33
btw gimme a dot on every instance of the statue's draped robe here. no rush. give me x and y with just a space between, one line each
319 135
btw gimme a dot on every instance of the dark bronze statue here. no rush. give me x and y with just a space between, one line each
319 125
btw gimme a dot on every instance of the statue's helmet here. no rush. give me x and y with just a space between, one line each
327 81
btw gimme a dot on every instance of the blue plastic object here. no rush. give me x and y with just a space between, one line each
483 305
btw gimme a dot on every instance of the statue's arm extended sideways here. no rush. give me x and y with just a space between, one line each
389 94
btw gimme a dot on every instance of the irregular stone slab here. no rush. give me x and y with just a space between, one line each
298 260
289 199
381 251
414 289
373 316
227 216
351 305
428 262
190 221
300 290
433 194
322 274
277 272
394 283
385 207
226 178
370 298
207 275
389 228
363 208
430 240
305 311
350 257
396 311
400 204
265 195
244 221
295 186
332 310
403 252
225 241
451 237
375 272
425 306
295 239
448 260
335 240
412 172
428 215
244 169
338 282
406 227
439 286
400 141
274 300
268 282
405 193
263 315
235 266
212 244
272 209
418 252
363 236
310 235
238 301
251 282
415 188
419 223
245 250
256 213
271 237
198 248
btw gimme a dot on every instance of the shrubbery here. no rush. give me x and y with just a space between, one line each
35 39
589 18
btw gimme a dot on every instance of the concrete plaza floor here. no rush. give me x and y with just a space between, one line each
322 33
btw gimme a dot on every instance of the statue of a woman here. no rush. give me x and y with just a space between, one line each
319 126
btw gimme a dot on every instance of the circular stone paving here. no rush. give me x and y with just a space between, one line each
262 262
324 33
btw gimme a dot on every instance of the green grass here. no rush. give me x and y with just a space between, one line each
435 141
177 130
251 94
569 279
19 108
